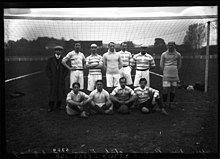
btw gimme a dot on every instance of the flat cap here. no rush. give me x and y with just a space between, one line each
58 47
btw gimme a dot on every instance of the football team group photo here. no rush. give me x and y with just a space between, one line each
111 80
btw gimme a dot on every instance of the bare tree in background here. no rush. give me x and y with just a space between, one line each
195 36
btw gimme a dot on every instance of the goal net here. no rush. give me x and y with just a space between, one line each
141 31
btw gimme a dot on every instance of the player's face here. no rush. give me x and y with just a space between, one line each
76 89
143 50
58 51
93 49
171 47
123 83
111 47
99 86
143 84
124 47
77 46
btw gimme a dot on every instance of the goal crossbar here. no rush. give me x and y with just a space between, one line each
109 18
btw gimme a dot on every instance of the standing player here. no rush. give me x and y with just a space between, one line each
170 63
112 64
56 74
126 58
142 63
148 97
122 96
77 60
94 62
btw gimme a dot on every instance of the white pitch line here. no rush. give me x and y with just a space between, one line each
19 77
156 74
149 71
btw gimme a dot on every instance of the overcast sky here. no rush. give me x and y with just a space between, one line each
115 11
137 31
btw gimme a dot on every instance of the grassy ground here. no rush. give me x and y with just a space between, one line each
192 127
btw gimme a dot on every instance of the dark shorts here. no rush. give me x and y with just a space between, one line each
117 105
148 104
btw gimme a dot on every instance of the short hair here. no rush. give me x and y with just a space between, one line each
77 43
111 43
143 79
172 42
75 83
122 79
123 43
99 81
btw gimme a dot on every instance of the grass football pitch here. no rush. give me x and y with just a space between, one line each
192 127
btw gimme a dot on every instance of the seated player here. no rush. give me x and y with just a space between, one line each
147 98
99 100
122 97
76 101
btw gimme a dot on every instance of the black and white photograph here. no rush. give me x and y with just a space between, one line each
117 81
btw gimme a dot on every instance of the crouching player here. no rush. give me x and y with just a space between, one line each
76 102
148 97
99 100
122 97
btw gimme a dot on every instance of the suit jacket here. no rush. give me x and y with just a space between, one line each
56 73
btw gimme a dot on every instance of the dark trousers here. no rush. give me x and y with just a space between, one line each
148 104
75 108
117 105
52 103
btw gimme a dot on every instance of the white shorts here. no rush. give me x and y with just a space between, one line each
139 75
70 111
92 80
77 76
126 72
112 80
169 83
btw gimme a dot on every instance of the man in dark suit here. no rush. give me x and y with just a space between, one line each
56 73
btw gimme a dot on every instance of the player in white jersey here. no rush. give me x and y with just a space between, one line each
170 63
143 62
122 96
99 100
76 102
148 97
77 60
112 63
94 62
126 58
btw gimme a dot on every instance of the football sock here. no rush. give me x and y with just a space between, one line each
172 95
165 97
159 102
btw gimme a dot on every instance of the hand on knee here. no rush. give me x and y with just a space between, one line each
108 103
92 103
144 110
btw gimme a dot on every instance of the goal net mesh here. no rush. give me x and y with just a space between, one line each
140 32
